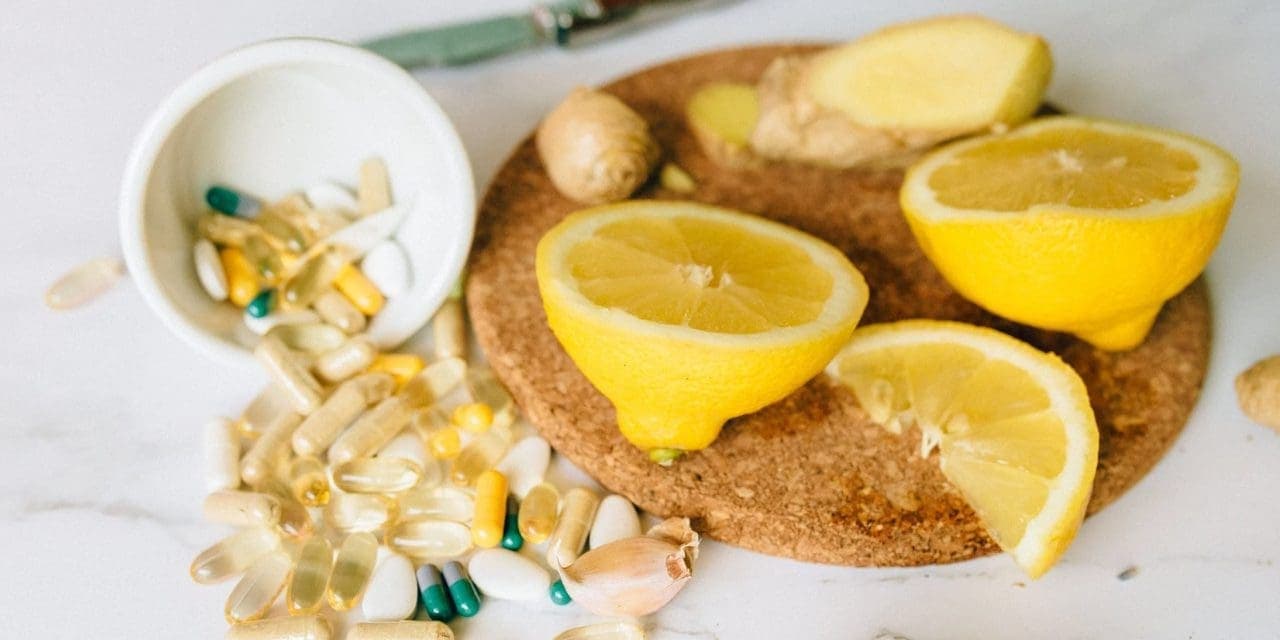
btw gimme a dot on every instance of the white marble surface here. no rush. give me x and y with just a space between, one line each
99 482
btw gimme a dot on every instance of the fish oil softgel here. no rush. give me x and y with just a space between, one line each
351 570
310 579
427 539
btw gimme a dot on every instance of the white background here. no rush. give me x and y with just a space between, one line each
99 408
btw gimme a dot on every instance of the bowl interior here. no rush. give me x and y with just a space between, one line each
280 126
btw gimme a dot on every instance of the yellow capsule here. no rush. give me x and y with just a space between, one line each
618 630
351 570
242 508
577 513
485 388
259 588
310 578
262 410
480 455
347 360
449 330
290 375
475 417
538 512
491 509
311 627
295 520
362 293
269 450
377 475
308 481
404 366
336 310
233 554
242 279
428 539
354 512
312 338
344 405
437 503
401 630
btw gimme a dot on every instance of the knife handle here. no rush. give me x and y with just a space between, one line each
458 43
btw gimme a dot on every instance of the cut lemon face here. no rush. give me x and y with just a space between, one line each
685 315
1013 426
1072 224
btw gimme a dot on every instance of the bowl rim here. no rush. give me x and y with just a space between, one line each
212 77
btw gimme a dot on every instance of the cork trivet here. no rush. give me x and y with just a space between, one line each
809 477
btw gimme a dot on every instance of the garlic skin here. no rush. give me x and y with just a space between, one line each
634 576
595 148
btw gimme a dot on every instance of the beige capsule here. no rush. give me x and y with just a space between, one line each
440 503
344 405
242 508
347 360
618 630
302 389
262 410
380 424
312 338
269 450
312 627
336 310
449 330
577 513
401 630
427 540
84 283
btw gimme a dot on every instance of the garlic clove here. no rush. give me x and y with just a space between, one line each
634 576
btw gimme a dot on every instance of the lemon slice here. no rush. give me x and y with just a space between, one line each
685 315
1072 224
1013 426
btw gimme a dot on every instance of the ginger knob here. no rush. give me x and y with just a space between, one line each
595 148
1258 391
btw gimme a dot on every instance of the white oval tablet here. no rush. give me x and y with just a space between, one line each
526 464
209 270
507 575
387 268
393 590
616 519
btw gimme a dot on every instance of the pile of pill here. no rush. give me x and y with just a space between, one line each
322 254
389 491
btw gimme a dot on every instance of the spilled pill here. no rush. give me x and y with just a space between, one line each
507 575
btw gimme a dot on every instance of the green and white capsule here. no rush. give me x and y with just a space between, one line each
465 597
233 203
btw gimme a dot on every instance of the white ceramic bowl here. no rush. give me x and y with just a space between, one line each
272 118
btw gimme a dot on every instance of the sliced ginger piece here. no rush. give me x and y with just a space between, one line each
722 116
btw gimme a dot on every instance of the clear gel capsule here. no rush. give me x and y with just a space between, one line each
352 283
449 330
538 512
313 338
344 405
312 627
465 597
242 508
480 455
373 190
295 520
310 578
293 221
377 475
335 309
83 283
401 630
404 366
577 513
302 389
265 259
355 512
484 387
425 540
232 202
525 464
434 595
259 588
440 503
491 509
221 455
213 279
314 276
347 360
308 481
266 453
232 555
409 446
351 570
226 231
265 407
618 630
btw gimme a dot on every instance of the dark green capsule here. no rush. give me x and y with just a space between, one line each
262 304
558 593
465 597
511 538
232 202
432 594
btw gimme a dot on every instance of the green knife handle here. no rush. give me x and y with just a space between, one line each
458 44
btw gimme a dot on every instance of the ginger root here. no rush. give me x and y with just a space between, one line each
1258 392
595 148
722 116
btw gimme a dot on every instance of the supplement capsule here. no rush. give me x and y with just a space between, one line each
335 309
293 221
315 338
538 512
442 438
525 464
231 202
314 276
225 230
438 503
263 410
308 481
616 519
425 540
408 446
362 293
327 196
311 627
295 520
439 378
480 455
393 590
377 475
351 570
373 190
485 388
355 512
344 405
434 595
604 631
449 330
263 257
466 600
242 279
404 366
345 361
83 283
262 304
266 453
310 577
302 389
242 508
507 575
576 516
387 268
221 455
372 430
261 326
475 417
401 630
511 538
259 588
233 554
209 269
559 595
491 507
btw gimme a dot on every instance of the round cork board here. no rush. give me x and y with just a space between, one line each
809 477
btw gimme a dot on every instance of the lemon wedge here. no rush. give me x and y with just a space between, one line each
1012 425
685 315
